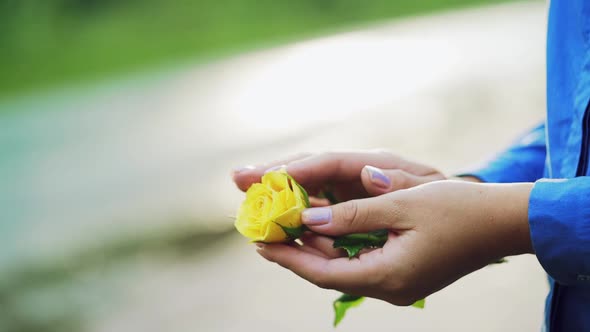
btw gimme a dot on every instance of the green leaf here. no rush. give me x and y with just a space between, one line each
419 304
351 249
343 303
305 195
353 243
303 191
293 232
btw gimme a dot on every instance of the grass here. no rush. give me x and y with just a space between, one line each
52 42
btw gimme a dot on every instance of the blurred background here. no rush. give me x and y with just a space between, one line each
121 120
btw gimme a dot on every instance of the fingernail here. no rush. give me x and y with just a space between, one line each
242 169
275 168
260 245
317 216
378 178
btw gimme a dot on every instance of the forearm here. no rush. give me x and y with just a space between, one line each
468 178
479 222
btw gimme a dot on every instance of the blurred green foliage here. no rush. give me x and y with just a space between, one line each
48 42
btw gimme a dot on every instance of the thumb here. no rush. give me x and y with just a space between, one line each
355 216
380 181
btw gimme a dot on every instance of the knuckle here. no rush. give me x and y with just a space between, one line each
391 211
351 213
334 160
400 179
399 205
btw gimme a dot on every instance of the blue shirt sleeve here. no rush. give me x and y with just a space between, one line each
559 220
522 162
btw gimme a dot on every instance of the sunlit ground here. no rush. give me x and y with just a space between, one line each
123 181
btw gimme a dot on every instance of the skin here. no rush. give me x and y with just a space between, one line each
440 230
341 173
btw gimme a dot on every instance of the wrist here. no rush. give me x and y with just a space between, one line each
508 207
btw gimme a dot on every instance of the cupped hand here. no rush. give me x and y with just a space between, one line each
347 175
439 232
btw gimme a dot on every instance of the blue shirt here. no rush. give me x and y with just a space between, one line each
555 155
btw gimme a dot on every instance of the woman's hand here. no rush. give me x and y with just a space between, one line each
348 175
439 232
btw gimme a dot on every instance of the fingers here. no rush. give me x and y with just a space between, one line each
339 273
313 171
321 244
310 250
245 176
380 181
357 216
342 166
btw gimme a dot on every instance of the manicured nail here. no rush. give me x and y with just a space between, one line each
317 216
275 168
378 178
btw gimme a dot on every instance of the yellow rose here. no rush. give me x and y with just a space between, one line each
272 209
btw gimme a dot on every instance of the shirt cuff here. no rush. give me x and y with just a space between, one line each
559 221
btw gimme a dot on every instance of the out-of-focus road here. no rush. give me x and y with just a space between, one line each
447 90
